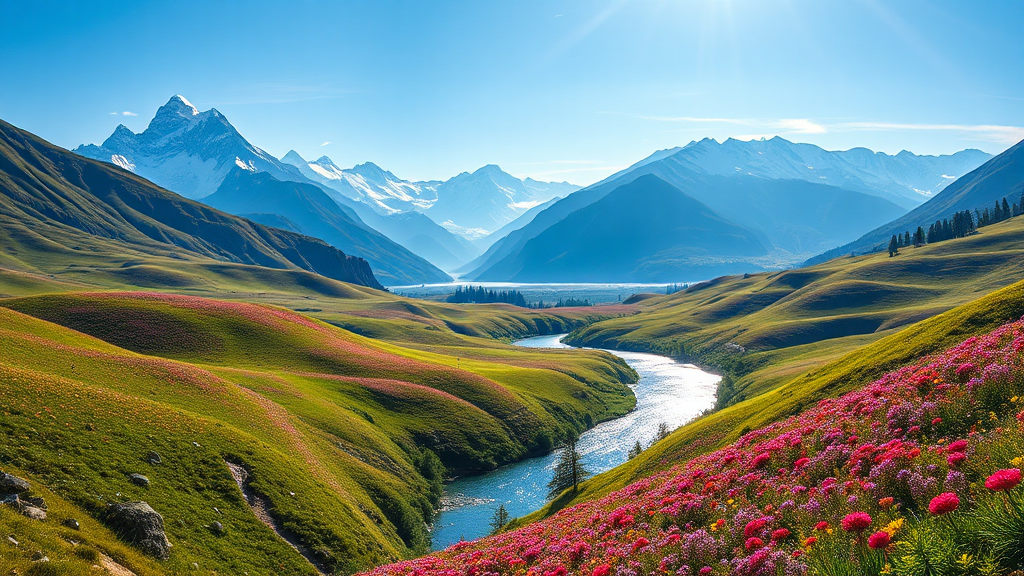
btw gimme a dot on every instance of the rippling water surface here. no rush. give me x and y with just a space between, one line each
667 391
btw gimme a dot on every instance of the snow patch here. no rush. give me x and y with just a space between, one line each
241 164
123 162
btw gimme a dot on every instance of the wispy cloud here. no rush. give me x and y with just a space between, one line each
987 132
325 143
767 127
125 113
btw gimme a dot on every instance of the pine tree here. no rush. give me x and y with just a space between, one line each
906 238
569 471
893 246
1006 210
500 519
919 237
996 213
635 450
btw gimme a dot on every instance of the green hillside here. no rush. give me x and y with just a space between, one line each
792 338
338 432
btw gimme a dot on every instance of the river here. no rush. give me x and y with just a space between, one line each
666 391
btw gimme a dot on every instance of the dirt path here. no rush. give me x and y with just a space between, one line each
261 509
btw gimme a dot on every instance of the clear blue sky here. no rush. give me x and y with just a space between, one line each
555 90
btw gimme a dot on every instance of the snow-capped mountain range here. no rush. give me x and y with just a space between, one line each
906 179
471 205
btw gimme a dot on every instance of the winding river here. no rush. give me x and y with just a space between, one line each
666 391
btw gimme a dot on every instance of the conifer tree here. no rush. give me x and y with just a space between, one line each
569 471
635 450
1006 210
500 519
893 246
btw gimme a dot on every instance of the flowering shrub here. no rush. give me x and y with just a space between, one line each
919 469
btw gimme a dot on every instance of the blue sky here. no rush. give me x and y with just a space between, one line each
554 90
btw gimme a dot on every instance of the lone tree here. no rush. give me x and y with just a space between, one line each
635 450
500 519
569 471
893 246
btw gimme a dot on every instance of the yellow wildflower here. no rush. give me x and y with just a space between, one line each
892 527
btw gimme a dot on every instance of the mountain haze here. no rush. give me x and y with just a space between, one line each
1001 177
619 237
313 212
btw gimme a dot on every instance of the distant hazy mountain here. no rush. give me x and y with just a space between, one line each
905 179
620 237
486 200
1001 177
470 205
55 204
367 183
186 151
309 209
768 186
423 237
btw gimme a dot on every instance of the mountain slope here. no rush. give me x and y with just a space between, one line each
52 202
423 237
769 186
316 214
367 183
488 198
186 151
619 238
1001 177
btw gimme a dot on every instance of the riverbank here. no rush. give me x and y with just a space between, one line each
667 392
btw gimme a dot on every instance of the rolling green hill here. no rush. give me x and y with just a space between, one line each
59 210
342 437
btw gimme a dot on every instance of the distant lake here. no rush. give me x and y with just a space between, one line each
667 391
597 293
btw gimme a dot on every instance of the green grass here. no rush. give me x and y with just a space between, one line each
958 296
90 382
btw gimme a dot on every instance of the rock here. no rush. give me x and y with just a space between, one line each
40 556
12 540
10 500
139 524
153 458
32 512
217 528
12 484
71 523
139 480
34 501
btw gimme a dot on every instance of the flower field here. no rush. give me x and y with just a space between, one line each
915 473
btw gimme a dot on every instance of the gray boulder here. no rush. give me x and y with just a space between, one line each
32 512
12 484
71 523
139 524
139 480
153 458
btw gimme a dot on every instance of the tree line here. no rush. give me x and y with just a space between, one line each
481 295
961 224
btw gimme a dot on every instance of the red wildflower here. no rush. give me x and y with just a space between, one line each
641 542
956 458
601 570
753 544
754 526
800 463
856 522
780 534
879 540
821 526
944 503
958 446
936 421
810 541
760 460
1003 480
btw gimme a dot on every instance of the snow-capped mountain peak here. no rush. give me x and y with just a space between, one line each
185 150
